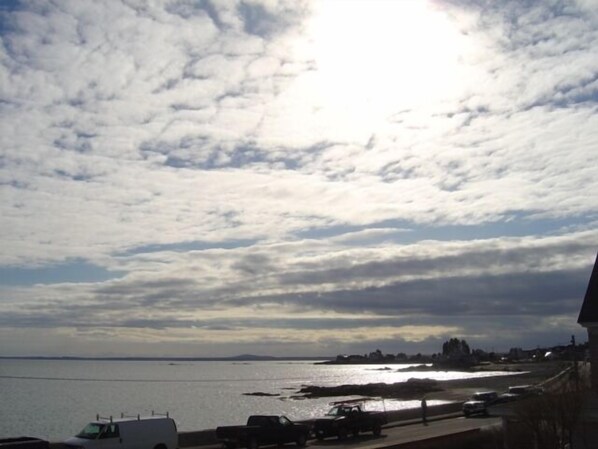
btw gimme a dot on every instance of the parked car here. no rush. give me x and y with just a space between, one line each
520 391
479 402
263 429
345 419
149 432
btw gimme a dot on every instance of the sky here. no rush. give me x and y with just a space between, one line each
194 178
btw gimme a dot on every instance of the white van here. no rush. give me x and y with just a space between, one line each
150 432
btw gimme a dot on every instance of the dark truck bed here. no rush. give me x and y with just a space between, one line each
263 430
345 419
23 443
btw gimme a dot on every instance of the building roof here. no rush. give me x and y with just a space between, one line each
589 308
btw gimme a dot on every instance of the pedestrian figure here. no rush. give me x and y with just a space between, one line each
424 411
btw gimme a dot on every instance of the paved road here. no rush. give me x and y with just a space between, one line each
402 434
394 434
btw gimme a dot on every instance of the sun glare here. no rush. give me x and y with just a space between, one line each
381 57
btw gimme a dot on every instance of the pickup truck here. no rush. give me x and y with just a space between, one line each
23 443
519 392
345 419
263 430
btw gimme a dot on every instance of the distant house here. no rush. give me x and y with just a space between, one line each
518 354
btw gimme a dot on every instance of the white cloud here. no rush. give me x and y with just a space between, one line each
125 127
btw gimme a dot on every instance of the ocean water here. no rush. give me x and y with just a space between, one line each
54 399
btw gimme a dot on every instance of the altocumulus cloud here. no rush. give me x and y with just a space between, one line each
283 177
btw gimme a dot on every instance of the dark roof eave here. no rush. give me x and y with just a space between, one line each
587 324
588 316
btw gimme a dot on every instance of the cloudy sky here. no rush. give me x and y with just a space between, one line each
218 177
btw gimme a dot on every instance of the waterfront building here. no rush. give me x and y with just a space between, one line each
569 411
586 435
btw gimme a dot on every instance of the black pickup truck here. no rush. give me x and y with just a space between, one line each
23 443
263 430
345 419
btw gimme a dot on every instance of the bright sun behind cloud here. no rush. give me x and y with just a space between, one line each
373 59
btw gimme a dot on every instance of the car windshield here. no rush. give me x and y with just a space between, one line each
283 420
338 411
91 431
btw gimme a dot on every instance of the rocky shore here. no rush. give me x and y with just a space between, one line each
450 390
411 389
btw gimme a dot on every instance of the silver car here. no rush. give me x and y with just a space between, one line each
479 402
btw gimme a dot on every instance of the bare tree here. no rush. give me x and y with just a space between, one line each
552 417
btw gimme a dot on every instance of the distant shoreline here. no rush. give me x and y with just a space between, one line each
239 358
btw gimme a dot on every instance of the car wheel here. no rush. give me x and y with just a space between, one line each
252 444
301 440
377 430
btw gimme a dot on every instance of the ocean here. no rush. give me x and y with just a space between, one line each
54 399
